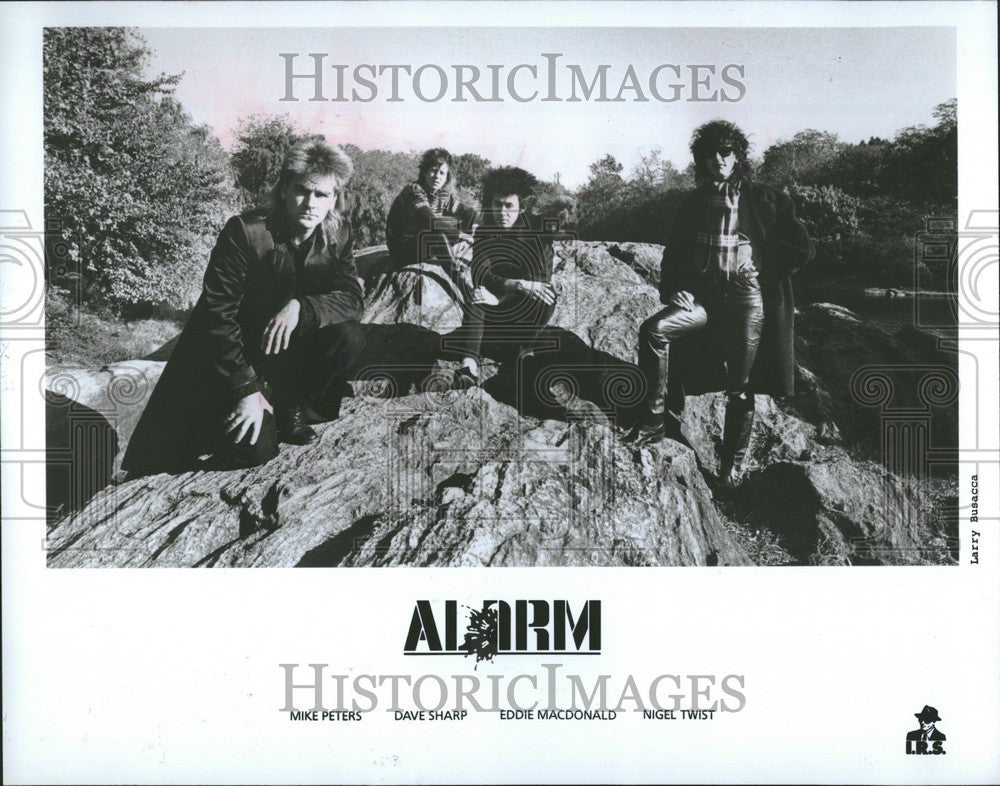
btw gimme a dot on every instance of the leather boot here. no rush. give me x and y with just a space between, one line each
648 429
292 427
735 440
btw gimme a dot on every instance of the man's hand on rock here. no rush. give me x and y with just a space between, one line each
278 332
481 296
682 299
247 417
535 289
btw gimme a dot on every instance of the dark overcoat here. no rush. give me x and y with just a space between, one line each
523 251
251 275
780 245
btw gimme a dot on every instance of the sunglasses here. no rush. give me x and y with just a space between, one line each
725 151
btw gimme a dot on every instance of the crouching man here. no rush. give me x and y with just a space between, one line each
274 335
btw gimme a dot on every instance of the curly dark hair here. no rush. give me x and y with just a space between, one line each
708 137
506 180
431 158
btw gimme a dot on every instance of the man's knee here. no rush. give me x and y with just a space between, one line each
652 332
672 322
345 338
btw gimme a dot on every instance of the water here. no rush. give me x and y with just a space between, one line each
935 314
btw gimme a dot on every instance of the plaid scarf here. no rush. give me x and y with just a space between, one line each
439 203
717 242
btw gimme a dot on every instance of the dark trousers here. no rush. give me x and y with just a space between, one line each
733 311
514 322
312 370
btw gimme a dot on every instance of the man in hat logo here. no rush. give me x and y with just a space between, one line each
926 739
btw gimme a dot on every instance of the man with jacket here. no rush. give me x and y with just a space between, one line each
512 260
271 341
427 222
725 284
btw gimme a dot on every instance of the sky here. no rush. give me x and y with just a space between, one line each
855 82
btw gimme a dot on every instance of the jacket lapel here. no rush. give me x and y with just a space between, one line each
749 218
282 265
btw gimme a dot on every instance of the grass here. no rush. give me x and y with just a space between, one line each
77 336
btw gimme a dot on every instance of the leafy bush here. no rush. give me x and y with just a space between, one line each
828 213
136 189
261 144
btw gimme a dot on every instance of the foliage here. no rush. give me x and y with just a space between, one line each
800 159
919 165
554 201
137 190
640 208
862 203
379 175
97 336
469 171
828 213
261 144
923 166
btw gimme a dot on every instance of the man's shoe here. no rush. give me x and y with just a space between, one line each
464 378
321 411
728 481
292 427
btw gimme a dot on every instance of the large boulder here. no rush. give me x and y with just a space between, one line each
514 475
452 478
89 416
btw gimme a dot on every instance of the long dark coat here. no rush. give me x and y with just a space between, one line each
251 275
780 245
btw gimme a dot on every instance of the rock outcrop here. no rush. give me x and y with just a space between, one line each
515 473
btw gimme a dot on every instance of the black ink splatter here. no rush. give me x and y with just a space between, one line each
481 634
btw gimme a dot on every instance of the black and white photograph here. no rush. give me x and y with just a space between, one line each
321 336
535 305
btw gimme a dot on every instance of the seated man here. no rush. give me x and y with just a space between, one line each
512 261
427 222
726 271
274 334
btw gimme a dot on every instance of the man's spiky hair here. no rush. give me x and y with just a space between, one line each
506 180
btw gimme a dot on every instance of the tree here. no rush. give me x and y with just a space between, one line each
923 166
857 169
138 191
261 144
469 171
800 159
601 198
653 173
379 175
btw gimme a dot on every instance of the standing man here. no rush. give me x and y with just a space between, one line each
274 335
726 272
512 261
